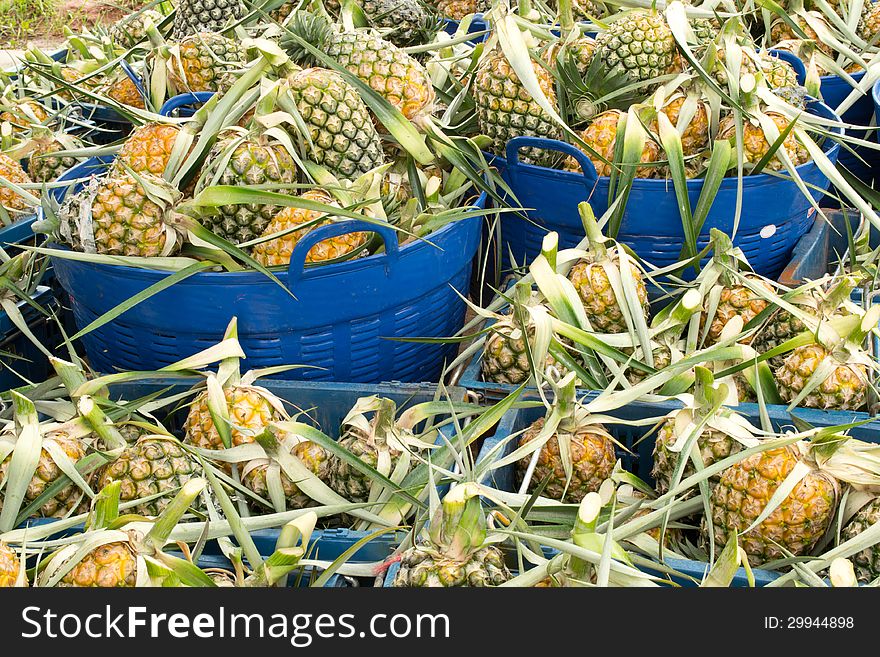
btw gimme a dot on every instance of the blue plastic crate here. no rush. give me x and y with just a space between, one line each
821 251
639 459
17 233
298 579
19 357
327 404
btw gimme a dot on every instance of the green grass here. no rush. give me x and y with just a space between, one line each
44 20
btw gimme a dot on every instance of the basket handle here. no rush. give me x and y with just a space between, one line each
185 100
296 269
134 77
515 145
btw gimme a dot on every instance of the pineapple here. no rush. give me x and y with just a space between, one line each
778 73
153 464
250 160
639 44
46 472
601 136
205 62
408 22
506 110
44 165
867 562
845 387
372 441
592 278
130 215
715 441
387 69
592 457
194 16
695 133
148 148
258 473
132 30
458 9
124 91
22 115
12 171
250 408
705 29
339 123
109 566
10 566
505 357
736 300
579 50
781 31
587 9
869 22
276 252
572 453
783 325
117 559
796 525
456 552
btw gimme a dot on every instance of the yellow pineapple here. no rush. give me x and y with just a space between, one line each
276 251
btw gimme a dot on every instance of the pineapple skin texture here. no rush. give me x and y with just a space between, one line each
593 459
108 566
796 524
866 562
247 409
506 110
425 567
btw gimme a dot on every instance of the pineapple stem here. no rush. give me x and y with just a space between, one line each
550 248
592 230
566 18
460 528
106 506
100 424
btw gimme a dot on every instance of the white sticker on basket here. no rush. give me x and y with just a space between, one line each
768 231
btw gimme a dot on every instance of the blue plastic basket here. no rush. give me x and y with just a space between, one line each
339 322
651 224
638 459
864 161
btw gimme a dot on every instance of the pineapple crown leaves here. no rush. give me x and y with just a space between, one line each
460 528
598 89
313 28
142 547
25 445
